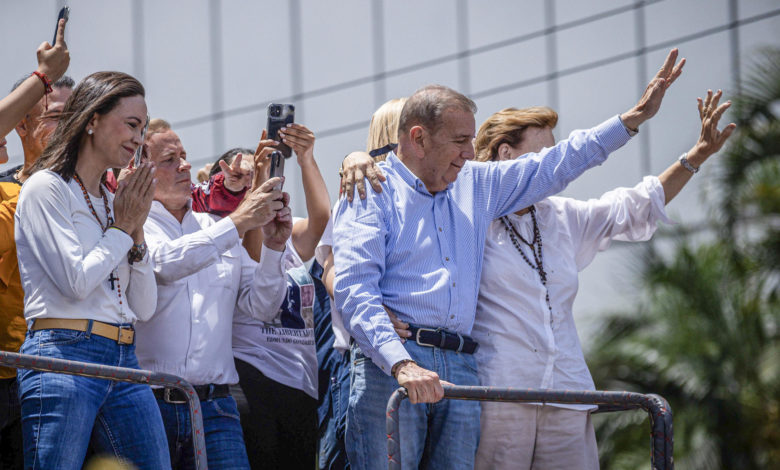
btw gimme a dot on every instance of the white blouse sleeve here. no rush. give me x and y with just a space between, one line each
142 290
44 225
624 214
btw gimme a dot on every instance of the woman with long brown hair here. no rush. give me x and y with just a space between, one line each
87 279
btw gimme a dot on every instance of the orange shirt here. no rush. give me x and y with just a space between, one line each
12 324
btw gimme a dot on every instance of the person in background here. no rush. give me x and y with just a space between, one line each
204 277
524 319
34 110
276 359
331 336
203 174
87 278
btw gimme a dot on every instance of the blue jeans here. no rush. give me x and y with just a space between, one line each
60 413
333 382
441 435
222 427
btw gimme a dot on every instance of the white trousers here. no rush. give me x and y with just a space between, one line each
535 437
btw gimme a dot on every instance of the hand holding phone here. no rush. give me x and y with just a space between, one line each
63 15
277 167
280 115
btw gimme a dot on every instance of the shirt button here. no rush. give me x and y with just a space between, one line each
453 284
439 229
447 258
452 316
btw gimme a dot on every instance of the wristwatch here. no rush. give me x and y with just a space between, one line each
687 165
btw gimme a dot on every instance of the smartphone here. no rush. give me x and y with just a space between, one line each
279 115
277 166
64 14
140 150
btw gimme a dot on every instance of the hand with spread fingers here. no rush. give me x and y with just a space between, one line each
354 170
710 139
238 175
650 102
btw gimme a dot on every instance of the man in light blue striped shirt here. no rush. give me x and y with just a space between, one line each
416 248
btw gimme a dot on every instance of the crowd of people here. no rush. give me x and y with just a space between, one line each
446 259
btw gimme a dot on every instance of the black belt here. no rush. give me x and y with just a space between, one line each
439 338
205 392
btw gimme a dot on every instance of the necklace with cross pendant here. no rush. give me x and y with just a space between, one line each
112 279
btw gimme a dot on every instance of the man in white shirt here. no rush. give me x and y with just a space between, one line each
204 275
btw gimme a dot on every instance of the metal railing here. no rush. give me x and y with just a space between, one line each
120 374
658 409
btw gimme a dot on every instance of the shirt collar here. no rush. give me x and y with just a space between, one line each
406 174
159 210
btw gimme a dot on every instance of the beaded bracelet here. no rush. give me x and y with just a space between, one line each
45 80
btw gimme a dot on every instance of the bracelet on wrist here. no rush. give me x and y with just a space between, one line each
117 228
687 165
137 253
45 80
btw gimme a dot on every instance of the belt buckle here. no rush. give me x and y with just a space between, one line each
126 335
167 397
419 341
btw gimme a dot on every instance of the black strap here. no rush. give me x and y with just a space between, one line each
383 150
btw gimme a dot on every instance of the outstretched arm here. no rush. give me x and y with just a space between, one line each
651 99
710 141
52 62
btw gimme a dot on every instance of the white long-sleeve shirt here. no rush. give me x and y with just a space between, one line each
520 343
204 275
65 258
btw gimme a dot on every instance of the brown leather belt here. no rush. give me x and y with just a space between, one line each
123 335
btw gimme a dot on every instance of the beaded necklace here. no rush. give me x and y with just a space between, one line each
536 250
114 277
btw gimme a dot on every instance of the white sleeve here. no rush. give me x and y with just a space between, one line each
624 214
325 246
263 284
174 259
142 289
44 224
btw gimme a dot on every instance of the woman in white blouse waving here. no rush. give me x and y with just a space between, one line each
87 279
524 321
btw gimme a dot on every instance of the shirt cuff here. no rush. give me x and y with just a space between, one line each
612 134
271 261
657 198
224 234
389 354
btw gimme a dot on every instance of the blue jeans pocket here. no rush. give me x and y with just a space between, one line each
60 337
226 407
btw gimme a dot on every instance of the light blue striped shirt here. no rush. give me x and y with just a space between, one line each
421 254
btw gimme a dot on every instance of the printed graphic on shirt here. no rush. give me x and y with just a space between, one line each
297 310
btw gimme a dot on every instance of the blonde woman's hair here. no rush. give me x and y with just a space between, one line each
383 129
507 127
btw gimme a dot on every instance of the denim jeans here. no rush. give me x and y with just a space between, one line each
435 436
333 382
224 439
11 454
60 413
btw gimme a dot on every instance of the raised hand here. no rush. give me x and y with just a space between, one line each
710 138
133 200
354 170
262 164
238 175
300 139
278 231
259 207
54 61
651 99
